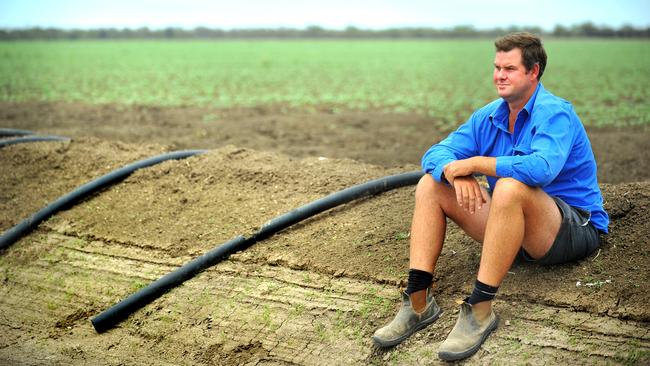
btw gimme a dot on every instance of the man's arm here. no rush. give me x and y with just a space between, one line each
478 164
460 144
459 174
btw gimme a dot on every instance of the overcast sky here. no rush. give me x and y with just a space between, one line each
332 14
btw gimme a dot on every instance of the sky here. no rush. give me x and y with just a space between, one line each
330 14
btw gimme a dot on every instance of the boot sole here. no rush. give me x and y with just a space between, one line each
394 342
455 356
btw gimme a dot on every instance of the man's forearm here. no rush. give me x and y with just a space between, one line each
485 165
478 164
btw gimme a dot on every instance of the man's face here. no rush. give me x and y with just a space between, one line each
510 77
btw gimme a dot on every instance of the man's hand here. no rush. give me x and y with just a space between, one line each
478 164
459 168
469 194
459 174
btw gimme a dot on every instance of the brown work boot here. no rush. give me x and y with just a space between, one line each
468 334
407 321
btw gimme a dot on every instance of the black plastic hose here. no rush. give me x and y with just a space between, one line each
361 190
23 139
124 308
7 132
12 235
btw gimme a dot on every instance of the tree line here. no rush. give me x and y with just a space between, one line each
315 32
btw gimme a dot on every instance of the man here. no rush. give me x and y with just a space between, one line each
543 204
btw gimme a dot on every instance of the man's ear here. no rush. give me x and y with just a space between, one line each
534 71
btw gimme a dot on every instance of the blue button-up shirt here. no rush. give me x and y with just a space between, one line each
548 149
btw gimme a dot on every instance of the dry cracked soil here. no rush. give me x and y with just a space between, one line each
312 294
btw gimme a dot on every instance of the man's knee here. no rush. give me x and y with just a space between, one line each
427 188
509 191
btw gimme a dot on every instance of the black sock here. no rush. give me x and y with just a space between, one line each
418 280
482 292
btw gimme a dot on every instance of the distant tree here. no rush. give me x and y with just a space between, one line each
561 31
313 31
587 29
463 31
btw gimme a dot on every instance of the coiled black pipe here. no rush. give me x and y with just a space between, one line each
12 235
124 308
29 138
7 132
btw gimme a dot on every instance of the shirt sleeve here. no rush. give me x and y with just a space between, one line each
549 148
460 144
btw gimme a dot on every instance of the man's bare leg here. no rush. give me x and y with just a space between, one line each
503 215
520 215
434 202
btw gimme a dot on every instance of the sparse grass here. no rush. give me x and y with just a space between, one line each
427 353
56 280
69 296
374 305
266 316
358 335
346 325
392 271
222 337
137 285
321 332
8 275
635 356
306 278
340 321
206 298
402 235
109 291
77 242
271 288
297 309
52 256
165 318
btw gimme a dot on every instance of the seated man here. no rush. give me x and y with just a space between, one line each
544 204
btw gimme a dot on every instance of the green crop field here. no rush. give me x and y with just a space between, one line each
607 81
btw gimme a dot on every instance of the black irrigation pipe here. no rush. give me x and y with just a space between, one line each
8 132
124 308
29 138
12 235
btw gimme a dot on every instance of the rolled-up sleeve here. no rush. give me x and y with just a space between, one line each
460 144
549 149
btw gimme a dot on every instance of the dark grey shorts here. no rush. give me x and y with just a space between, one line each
577 237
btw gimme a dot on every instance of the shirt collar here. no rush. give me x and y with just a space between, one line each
531 102
499 116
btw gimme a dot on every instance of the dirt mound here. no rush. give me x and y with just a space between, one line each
378 138
312 294
34 174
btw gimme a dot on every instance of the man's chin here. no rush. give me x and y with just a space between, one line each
503 93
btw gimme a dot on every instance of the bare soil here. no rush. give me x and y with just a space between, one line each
385 139
310 295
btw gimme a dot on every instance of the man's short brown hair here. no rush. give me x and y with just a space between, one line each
532 50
